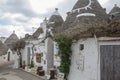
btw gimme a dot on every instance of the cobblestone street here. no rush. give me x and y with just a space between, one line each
7 73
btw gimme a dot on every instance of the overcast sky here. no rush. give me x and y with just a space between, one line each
22 15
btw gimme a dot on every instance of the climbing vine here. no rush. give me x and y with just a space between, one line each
64 46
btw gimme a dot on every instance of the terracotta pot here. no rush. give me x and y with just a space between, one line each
23 66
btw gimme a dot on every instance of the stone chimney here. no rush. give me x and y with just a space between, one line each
13 31
115 5
68 13
105 9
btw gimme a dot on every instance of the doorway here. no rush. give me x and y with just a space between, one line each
110 62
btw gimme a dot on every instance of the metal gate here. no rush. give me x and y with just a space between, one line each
110 62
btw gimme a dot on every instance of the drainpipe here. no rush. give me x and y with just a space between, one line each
96 40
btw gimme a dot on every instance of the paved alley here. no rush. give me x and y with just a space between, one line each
8 73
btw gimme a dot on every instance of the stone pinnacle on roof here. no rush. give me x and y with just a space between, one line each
56 12
56 17
13 31
12 38
45 19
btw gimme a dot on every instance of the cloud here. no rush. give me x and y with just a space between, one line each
17 6
9 18
22 15
7 30
18 22
20 30
42 6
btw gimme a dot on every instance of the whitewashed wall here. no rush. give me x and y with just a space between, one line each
4 58
25 53
11 55
90 68
38 48
86 60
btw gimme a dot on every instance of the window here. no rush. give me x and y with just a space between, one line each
38 58
81 47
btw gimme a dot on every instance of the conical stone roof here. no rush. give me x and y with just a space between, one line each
85 14
55 21
3 48
11 39
115 12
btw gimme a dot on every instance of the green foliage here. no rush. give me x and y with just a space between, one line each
64 46
18 45
32 63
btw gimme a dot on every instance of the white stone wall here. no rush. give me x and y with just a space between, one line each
38 48
11 54
90 68
43 26
49 49
84 63
25 53
4 58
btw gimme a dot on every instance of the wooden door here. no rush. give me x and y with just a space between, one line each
116 62
110 62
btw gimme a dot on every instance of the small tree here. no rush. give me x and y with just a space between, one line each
18 46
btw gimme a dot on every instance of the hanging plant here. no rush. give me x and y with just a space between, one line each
64 46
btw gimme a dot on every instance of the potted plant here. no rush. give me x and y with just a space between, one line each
32 63
23 66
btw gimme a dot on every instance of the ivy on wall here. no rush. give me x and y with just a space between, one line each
64 46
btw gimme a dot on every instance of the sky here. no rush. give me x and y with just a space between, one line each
23 15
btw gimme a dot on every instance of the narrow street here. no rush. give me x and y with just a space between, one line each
8 73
